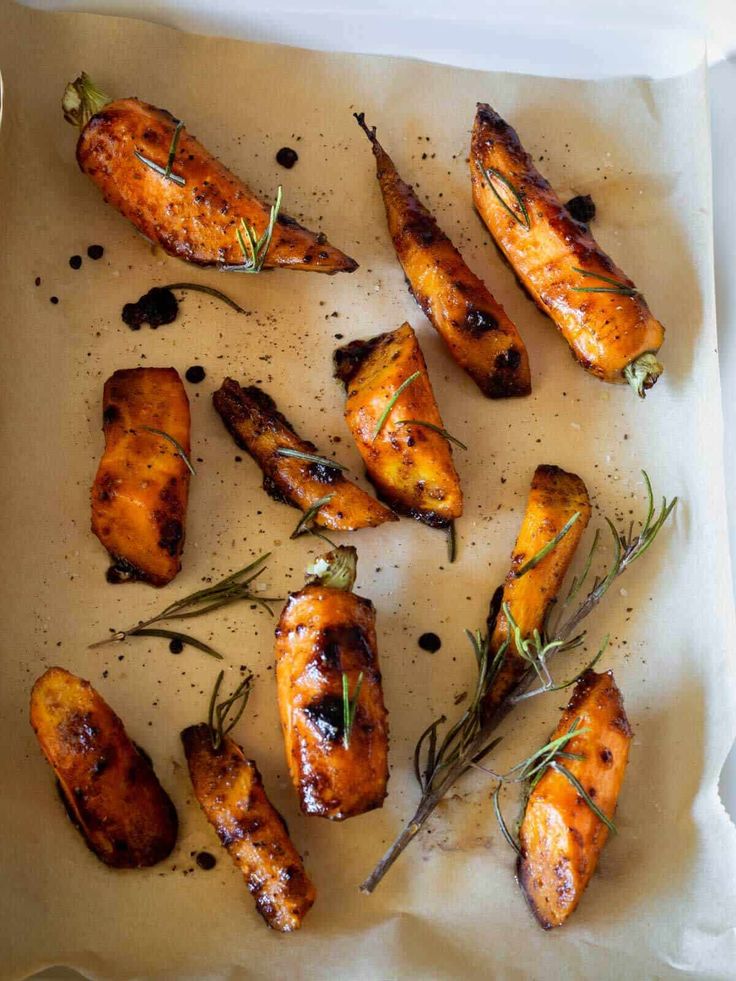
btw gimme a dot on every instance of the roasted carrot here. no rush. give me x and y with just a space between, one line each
140 493
257 426
195 212
561 836
476 329
601 314
108 786
408 463
230 791
329 690
554 499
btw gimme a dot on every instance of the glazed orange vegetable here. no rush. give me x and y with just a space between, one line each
194 215
554 498
597 308
409 465
327 666
260 429
561 837
476 329
140 493
230 791
108 786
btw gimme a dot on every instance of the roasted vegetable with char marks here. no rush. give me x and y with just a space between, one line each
107 784
195 212
140 493
561 837
597 308
230 791
257 426
329 690
554 499
476 329
410 465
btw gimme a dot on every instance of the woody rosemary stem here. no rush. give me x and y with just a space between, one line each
643 373
82 100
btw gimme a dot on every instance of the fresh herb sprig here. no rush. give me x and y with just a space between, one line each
437 429
310 458
177 446
522 215
210 291
451 542
546 549
234 588
392 402
439 763
166 172
349 707
614 286
305 523
217 717
255 249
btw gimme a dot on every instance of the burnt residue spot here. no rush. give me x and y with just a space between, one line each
78 731
582 208
348 359
75 261
508 360
157 307
122 571
206 860
324 473
110 414
326 716
275 492
172 535
100 765
332 642
95 252
287 157
479 322
606 756
430 642
195 374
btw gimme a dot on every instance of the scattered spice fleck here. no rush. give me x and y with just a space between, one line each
37 280
195 374
287 157
206 861
54 299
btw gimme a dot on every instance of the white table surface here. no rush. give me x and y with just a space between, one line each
574 38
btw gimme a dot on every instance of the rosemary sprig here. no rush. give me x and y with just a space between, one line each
392 402
310 458
255 249
451 542
209 290
439 764
304 524
217 717
349 707
232 589
166 172
614 286
176 444
492 174
545 550
437 429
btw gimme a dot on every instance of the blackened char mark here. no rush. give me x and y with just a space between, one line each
349 358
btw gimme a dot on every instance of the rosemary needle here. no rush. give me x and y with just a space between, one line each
177 445
392 402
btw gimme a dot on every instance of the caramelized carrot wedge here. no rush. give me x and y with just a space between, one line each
140 493
554 498
561 837
257 426
410 465
476 329
194 215
329 690
600 313
230 791
109 788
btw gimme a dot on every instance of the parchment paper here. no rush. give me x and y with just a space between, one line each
663 902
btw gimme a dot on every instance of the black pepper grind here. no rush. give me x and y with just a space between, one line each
287 157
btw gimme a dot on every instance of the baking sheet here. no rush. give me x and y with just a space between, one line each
663 902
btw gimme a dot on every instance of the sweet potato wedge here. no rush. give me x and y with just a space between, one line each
476 329
409 465
108 786
230 791
561 837
257 426
600 313
555 496
326 655
196 220
140 493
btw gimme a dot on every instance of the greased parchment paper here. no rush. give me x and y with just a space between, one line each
663 901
